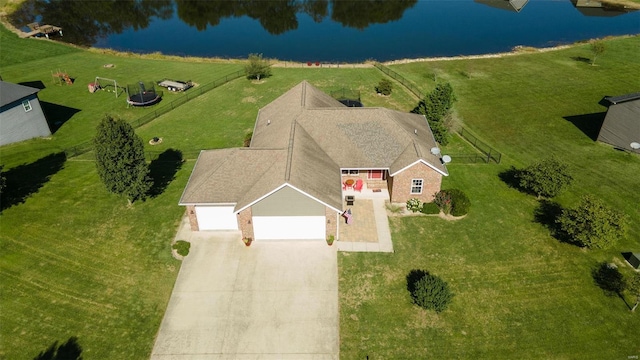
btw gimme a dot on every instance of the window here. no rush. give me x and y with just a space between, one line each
26 105
416 186
349 172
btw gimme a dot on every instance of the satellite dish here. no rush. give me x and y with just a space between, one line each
435 151
446 159
635 145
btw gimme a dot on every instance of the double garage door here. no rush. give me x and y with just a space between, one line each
264 227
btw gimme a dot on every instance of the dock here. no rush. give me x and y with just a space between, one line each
41 30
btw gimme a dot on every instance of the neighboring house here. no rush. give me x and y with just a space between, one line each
289 183
511 5
600 8
21 115
621 125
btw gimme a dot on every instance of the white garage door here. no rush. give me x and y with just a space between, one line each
216 218
289 227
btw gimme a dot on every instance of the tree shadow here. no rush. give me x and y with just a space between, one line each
34 84
581 59
70 350
608 278
163 170
413 277
546 214
511 177
24 180
589 124
57 115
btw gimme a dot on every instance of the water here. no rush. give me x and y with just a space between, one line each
327 30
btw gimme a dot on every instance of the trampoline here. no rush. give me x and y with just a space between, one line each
142 94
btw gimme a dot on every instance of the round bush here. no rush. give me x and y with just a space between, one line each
459 202
429 291
430 208
182 247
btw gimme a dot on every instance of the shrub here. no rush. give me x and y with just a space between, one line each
393 208
429 291
414 205
459 202
452 201
247 139
609 278
257 67
443 201
592 224
430 208
182 247
384 87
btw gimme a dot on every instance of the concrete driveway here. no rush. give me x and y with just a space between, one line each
272 300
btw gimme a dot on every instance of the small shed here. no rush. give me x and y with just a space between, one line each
21 116
621 125
633 259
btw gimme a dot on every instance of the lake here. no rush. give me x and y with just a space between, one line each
327 30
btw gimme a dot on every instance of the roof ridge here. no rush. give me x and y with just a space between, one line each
287 172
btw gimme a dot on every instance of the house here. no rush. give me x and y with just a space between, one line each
599 8
21 116
621 126
288 184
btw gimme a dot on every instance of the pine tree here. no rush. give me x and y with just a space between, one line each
120 159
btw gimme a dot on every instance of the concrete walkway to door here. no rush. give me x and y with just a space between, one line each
272 300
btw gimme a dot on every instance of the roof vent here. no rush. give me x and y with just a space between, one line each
268 122
415 131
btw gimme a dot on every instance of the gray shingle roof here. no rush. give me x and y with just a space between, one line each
303 139
13 92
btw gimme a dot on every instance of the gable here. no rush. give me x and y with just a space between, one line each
287 202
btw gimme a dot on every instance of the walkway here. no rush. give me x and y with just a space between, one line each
273 300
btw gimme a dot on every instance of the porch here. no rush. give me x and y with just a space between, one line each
368 229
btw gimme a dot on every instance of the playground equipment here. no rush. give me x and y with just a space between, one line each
142 94
61 77
105 84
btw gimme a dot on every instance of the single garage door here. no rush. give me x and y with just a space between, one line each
216 218
289 227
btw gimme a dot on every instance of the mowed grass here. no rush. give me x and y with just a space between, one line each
73 112
77 262
520 293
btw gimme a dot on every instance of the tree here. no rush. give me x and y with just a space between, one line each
633 286
436 106
429 291
592 224
257 67
598 47
384 87
545 178
120 159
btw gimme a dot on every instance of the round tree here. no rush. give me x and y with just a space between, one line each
429 291
120 159
546 178
592 224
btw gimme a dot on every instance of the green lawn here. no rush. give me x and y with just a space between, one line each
75 261
519 292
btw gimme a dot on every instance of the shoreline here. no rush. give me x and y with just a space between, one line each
517 50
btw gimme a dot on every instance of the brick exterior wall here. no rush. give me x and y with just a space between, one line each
400 185
193 219
332 222
245 224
